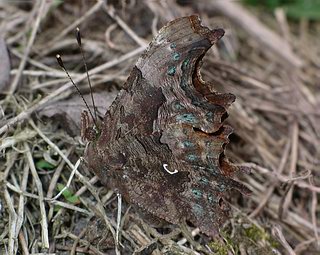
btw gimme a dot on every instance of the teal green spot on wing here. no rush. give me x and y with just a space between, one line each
187 144
176 56
212 199
204 180
197 193
210 116
173 45
185 64
186 118
171 70
178 106
197 209
221 187
192 157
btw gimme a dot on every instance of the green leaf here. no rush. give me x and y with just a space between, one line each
295 9
68 195
44 165
309 9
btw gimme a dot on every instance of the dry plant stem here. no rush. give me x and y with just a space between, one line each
49 200
76 23
54 180
56 175
79 176
84 188
108 38
11 158
11 141
23 244
25 114
293 219
281 178
23 186
256 29
118 223
33 62
78 249
69 180
283 22
314 203
183 240
303 245
75 244
43 221
86 243
278 233
41 13
274 184
111 12
51 83
293 164
53 74
12 245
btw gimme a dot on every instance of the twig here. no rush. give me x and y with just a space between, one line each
25 114
76 23
111 12
43 221
69 180
278 233
274 184
79 176
23 186
314 203
240 16
118 223
35 27
23 244
49 200
293 164
12 222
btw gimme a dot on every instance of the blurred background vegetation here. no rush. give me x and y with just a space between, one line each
295 9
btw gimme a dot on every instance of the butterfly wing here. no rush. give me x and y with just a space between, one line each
162 141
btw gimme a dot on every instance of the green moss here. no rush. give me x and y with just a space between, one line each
255 233
245 234
218 248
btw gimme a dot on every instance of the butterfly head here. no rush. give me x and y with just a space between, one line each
90 131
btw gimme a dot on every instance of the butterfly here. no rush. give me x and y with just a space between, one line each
161 143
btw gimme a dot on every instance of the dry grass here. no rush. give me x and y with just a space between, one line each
276 119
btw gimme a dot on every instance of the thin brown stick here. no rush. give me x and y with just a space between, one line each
25 114
41 13
243 18
314 203
293 164
12 223
43 221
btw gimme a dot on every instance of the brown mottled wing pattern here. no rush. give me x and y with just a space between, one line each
162 141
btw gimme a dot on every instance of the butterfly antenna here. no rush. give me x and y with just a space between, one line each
78 36
60 62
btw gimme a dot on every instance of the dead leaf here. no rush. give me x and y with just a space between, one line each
68 112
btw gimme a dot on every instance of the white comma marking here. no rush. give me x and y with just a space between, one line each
165 166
